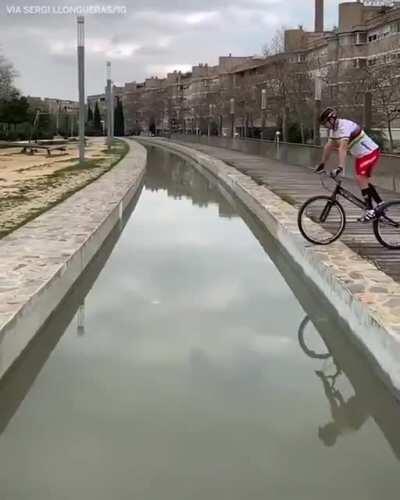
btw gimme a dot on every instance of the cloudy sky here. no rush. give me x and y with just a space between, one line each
151 38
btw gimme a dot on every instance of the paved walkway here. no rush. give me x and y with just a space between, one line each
296 184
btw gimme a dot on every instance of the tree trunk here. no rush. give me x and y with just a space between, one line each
389 124
303 140
284 125
263 125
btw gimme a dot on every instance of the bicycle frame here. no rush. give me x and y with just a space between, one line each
348 195
352 198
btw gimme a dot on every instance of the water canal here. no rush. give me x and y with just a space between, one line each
200 364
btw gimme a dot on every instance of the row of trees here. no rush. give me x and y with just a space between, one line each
94 124
17 117
14 109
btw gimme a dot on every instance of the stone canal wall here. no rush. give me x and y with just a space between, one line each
365 297
41 261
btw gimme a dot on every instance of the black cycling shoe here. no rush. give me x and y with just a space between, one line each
368 216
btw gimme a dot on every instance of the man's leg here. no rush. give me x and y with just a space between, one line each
366 192
375 195
364 167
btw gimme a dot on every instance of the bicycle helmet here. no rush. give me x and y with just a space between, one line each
328 116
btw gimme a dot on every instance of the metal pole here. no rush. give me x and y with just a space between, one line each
109 105
277 138
81 320
232 112
209 120
81 82
263 111
58 119
112 112
317 110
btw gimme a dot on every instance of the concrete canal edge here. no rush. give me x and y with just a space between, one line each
366 298
42 260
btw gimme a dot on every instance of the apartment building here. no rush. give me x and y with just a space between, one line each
52 105
242 93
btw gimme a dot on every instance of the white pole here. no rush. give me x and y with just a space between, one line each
81 319
109 106
112 112
81 83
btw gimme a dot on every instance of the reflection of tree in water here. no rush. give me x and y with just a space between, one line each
173 174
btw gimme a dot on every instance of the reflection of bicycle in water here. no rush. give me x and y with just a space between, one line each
302 335
347 416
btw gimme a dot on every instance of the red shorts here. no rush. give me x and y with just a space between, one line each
367 163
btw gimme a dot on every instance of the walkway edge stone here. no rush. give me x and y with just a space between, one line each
361 294
42 260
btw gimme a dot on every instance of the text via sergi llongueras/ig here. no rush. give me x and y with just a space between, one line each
78 10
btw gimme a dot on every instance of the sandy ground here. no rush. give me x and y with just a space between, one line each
29 184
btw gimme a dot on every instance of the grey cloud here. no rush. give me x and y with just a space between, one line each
156 29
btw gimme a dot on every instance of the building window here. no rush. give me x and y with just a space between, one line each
361 38
359 63
372 38
372 62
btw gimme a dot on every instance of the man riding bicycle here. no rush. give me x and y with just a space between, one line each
346 136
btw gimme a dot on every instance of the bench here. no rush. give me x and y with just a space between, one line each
35 147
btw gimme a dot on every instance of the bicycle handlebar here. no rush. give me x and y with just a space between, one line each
329 174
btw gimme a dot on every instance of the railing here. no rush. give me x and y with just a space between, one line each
387 175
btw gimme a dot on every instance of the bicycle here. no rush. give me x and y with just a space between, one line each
328 212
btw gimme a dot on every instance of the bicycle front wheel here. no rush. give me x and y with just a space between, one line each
324 211
387 226
308 350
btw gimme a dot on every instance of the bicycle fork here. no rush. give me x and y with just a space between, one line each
328 206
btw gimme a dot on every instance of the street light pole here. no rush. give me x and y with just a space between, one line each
263 111
109 106
210 112
112 111
232 112
317 109
81 83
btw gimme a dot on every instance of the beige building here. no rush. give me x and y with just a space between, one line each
246 94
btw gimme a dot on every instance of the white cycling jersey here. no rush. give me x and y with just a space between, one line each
360 144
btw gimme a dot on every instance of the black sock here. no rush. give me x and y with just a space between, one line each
367 195
374 194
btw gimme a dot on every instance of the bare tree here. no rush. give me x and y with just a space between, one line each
384 83
7 75
300 87
277 86
277 43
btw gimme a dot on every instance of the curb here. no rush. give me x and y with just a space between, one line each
40 261
366 298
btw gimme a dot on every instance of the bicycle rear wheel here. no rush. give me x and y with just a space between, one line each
325 211
387 226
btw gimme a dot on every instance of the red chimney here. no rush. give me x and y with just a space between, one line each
319 16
